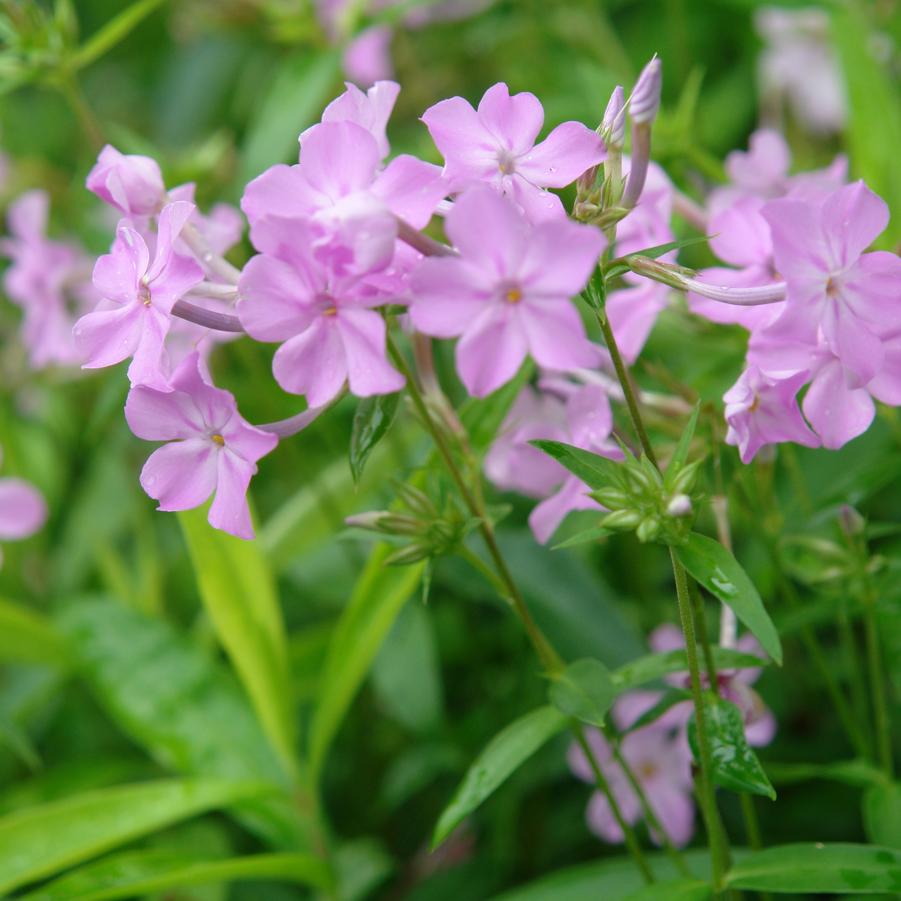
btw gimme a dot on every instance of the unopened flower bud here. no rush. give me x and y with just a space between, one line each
648 529
611 498
621 519
679 505
685 478
370 520
851 521
613 125
645 99
131 183
411 553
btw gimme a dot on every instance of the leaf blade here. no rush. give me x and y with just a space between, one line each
372 420
584 690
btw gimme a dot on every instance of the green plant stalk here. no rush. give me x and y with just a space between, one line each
504 581
604 786
716 834
648 811
856 678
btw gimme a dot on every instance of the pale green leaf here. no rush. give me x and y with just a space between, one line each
27 637
652 667
882 814
372 420
584 690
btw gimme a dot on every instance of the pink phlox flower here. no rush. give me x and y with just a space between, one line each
325 321
22 510
370 110
732 684
496 144
833 287
49 280
211 447
367 58
221 228
350 202
134 316
659 757
763 409
131 183
508 293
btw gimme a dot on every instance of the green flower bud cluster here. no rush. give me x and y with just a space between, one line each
431 531
657 507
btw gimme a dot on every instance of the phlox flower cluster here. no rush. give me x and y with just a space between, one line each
658 753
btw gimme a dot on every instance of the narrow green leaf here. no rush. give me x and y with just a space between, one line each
882 814
113 32
27 637
134 873
182 707
42 840
239 594
655 666
675 890
16 739
658 250
372 420
808 869
859 773
735 765
594 470
377 598
680 454
291 103
502 756
722 575
592 534
584 690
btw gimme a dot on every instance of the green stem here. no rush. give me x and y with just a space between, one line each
877 678
856 677
604 787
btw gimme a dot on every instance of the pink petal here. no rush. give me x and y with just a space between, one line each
312 363
578 761
370 110
169 225
245 440
837 412
229 510
853 217
491 351
27 215
632 313
338 158
149 366
869 283
411 189
178 276
676 813
561 257
851 341
886 386
181 475
368 56
368 371
514 121
447 295
601 820
547 516
22 509
279 191
488 231
568 151
275 299
468 147
106 337
555 334
740 235
537 204
162 415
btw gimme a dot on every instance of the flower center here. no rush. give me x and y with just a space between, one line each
513 295
833 290
506 163
144 293
755 404
217 439
647 769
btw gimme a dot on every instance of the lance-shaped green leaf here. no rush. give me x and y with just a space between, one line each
114 31
674 890
584 536
735 765
502 756
584 690
722 575
882 814
680 454
377 598
372 420
239 594
28 637
43 840
818 868
139 873
655 666
593 469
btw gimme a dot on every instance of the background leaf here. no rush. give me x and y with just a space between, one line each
882 814
584 690
372 420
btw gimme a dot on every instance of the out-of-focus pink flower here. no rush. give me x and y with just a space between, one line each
508 293
49 280
133 318
799 64
762 410
661 761
832 285
370 110
324 320
132 184
367 58
496 144
732 684
211 448
22 510
340 190
583 418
